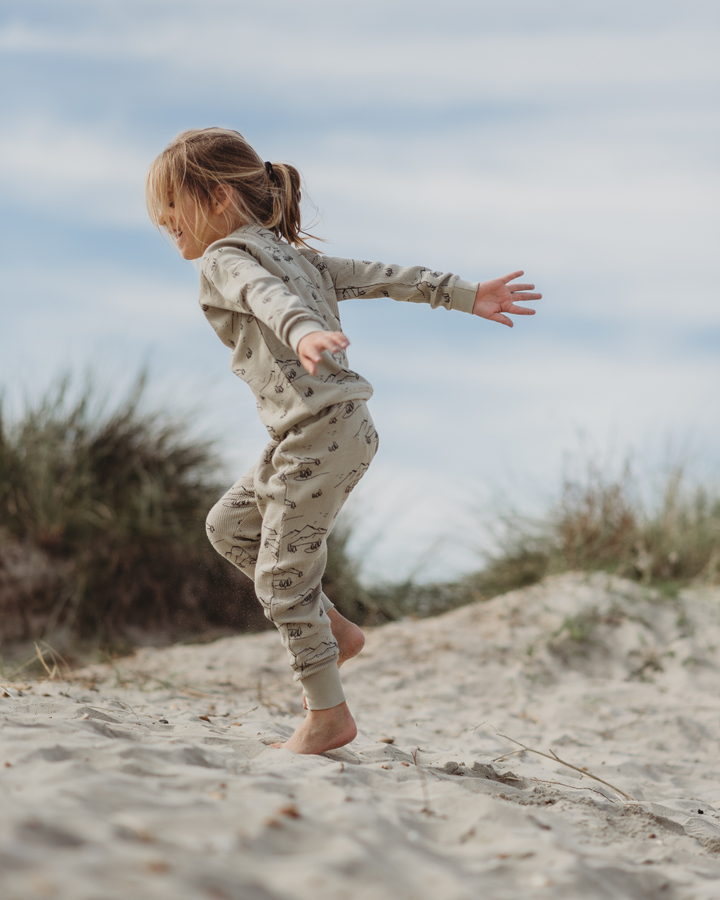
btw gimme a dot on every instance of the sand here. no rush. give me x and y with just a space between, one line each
153 778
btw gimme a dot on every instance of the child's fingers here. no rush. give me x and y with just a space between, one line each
513 275
308 364
314 347
523 298
334 342
503 320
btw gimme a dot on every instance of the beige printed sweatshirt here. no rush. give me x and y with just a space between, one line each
262 296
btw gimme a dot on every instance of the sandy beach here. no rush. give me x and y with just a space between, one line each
153 778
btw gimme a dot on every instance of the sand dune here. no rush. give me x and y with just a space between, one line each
153 778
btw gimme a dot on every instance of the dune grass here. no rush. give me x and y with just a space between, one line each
102 513
668 537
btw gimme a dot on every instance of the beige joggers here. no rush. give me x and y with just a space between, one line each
273 525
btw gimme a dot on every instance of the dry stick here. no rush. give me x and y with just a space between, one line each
562 762
191 692
56 655
40 655
426 809
573 787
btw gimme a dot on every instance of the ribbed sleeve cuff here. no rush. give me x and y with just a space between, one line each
301 329
463 295
323 689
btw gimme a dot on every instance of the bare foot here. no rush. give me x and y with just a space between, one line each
349 637
322 730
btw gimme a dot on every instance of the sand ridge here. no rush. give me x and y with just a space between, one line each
153 777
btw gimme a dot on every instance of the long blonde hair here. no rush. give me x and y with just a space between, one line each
202 159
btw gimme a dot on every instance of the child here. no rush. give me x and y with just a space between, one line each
273 301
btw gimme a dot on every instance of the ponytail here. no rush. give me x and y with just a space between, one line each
285 192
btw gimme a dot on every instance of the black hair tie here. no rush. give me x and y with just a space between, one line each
269 169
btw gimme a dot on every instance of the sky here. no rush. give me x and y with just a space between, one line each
576 141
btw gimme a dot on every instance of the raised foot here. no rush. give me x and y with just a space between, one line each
322 730
348 635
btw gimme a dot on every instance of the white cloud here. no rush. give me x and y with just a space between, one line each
75 172
619 219
496 62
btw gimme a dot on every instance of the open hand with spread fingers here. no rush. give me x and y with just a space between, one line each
497 297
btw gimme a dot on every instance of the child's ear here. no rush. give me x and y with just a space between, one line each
221 198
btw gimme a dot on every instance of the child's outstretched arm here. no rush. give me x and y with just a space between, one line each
496 297
354 278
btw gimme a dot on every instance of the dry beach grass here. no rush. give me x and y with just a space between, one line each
152 777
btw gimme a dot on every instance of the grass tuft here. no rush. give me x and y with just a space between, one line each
603 523
102 512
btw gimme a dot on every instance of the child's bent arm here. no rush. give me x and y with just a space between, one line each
232 279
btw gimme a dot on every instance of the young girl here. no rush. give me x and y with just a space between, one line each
273 301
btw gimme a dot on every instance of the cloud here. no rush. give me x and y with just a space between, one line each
74 171
482 60
617 220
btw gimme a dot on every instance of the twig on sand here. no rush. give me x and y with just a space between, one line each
183 689
423 781
191 692
575 787
552 755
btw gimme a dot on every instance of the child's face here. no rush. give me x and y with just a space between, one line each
193 227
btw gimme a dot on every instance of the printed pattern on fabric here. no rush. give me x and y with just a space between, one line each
273 524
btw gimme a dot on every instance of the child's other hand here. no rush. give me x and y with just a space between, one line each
312 346
496 297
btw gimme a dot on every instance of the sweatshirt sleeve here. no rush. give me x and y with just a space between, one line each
234 280
416 284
